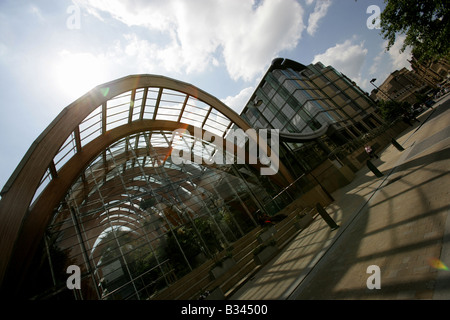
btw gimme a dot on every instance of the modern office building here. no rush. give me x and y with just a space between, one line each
316 109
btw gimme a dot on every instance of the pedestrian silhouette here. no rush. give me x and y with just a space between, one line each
370 152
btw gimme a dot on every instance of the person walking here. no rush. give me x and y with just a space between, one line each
370 152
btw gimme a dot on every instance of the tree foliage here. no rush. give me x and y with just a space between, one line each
391 110
426 24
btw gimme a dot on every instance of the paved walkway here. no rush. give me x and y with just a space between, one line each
399 223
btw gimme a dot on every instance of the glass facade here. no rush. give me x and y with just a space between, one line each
301 100
138 222
289 104
135 221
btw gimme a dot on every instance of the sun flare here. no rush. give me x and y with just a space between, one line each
77 73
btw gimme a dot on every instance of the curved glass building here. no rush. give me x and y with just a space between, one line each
101 190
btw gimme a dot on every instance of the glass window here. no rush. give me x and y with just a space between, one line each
352 93
284 93
308 72
294 103
272 81
272 108
279 74
268 90
312 93
291 86
290 128
268 114
277 124
298 122
301 96
245 116
354 106
287 111
264 123
278 101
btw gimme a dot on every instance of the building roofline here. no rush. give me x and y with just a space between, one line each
277 64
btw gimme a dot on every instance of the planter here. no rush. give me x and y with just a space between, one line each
304 221
227 264
266 235
265 255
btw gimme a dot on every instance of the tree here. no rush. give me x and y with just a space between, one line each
426 24
391 110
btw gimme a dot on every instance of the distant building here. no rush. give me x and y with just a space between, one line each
433 72
400 85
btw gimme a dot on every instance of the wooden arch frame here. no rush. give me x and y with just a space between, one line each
18 218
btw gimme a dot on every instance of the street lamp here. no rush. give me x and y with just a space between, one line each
372 82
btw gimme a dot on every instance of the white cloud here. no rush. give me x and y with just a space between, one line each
202 33
346 57
399 59
3 50
393 58
386 62
376 63
238 102
157 15
274 27
35 11
148 57
320 11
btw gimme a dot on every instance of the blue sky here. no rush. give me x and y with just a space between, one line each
52 52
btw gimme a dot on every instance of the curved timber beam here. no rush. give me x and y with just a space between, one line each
16 216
